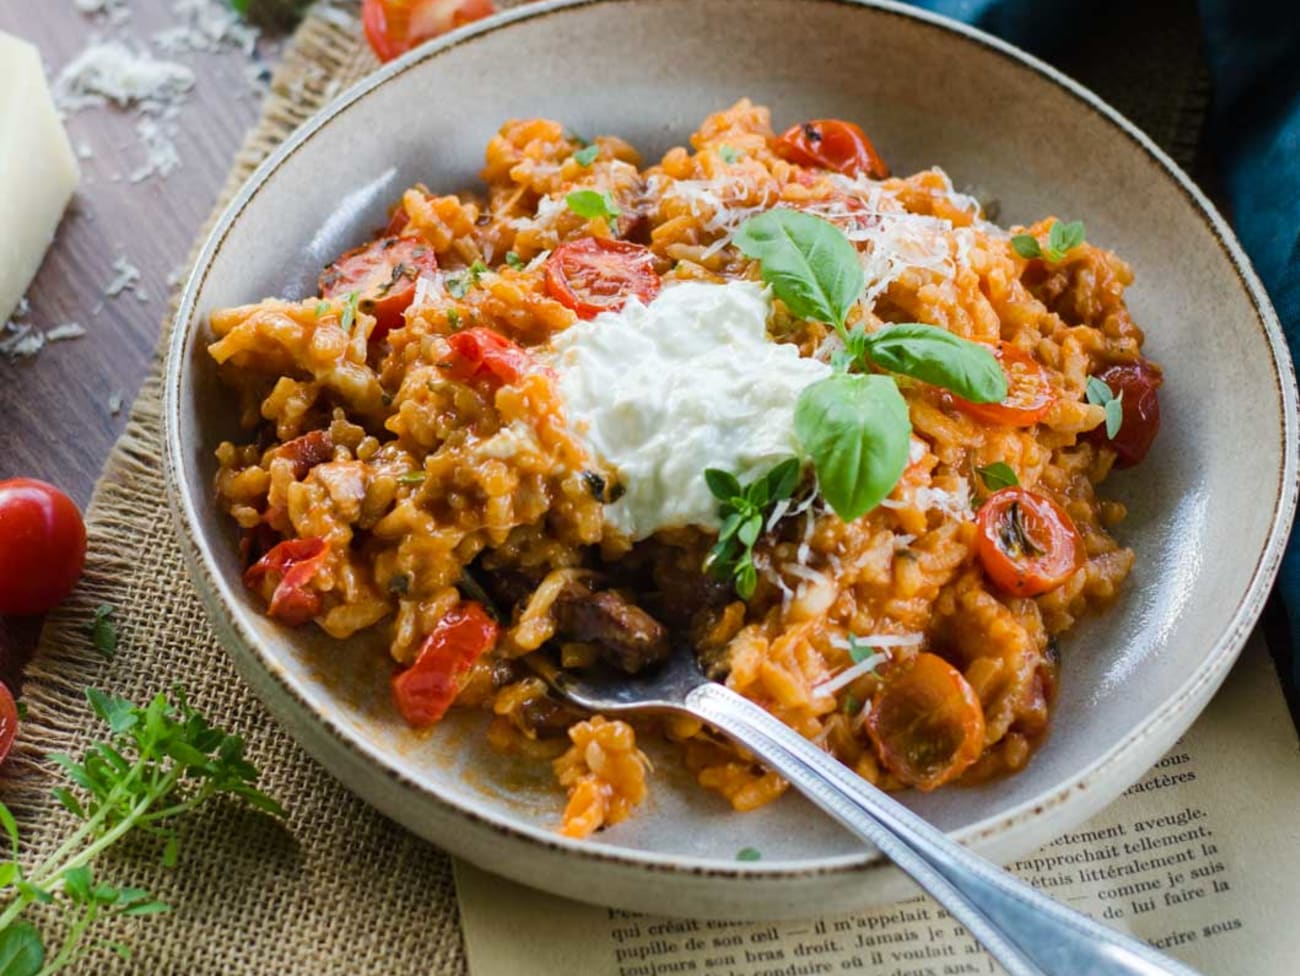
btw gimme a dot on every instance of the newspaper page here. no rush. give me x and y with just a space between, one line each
1201 858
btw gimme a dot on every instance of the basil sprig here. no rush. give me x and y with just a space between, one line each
998 475
1062 238
935 356
744 510
592 204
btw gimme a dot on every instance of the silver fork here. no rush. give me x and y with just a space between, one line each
1027 932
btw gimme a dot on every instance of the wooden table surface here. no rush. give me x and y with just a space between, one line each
58 425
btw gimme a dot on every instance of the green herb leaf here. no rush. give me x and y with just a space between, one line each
722 484
8 873
349 312
587 155
749 854
458 285
592 204
857 431
10 826
744 510
1103 396
103 632
21 951
859 651
514 260
851 704
998 475
1063 238
1026 245
322 309
411 478
453 318
729 155
807 261
936 356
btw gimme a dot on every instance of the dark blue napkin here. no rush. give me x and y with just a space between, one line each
1253 50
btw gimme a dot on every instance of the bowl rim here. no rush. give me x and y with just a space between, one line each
1194 692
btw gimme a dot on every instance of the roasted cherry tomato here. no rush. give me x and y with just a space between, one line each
42 546
286 572
832 144
312 448
1029 391
8 721
482 355
1137 382
1027 543
595 275
926 722
393 27
383 274
425 690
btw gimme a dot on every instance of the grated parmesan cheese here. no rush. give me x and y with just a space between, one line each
112 72
126 277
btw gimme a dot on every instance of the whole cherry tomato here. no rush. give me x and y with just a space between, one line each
1029 391
926 722
383 275
595 274
832 144
393 27
42 546
1027 543
425 690
1137 383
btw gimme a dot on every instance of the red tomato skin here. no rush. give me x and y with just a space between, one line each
8 720
832 144
1029 396
1047 526
1137 382
596 274
294 562
425 690
481 355
393 27
383 273
42 546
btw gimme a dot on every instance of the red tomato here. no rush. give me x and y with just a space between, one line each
393 27
1137 382
313 448
42 546
595 275
8 721
383 274
832 144
425 690
480 354
287 570
1029 391
926 722
1027 543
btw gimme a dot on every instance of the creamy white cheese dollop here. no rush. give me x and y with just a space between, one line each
689 382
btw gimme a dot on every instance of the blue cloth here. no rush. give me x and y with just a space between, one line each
1253 50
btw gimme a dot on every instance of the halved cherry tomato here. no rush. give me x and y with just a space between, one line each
383 274
480 354
42 546
1029 391
1137 382
285 571
393 27
8 720
832 144
312 448
595 275
425 690
926 722
1027 543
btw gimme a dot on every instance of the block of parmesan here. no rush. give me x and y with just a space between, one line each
38 170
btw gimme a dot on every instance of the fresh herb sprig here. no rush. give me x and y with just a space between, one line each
159 763
855 427
591 204
744 510
1061 240
1103 396
587 155
997 476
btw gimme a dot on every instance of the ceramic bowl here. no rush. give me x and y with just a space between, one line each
1210 508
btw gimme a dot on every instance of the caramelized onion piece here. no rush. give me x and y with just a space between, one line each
926 723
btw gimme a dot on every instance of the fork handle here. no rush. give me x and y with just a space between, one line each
1027 932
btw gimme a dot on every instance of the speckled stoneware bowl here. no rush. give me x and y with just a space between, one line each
1210 507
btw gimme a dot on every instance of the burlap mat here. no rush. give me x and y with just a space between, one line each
335 888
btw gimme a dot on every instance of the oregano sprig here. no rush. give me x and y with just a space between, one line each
1103 396
744 510
1062 238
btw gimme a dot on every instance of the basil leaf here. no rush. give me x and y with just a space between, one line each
1063 238
783 479
514 260
1100 394
587 155
723 485
1026 245
592 204
807 261
729 155
936 356
856 429
998 475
